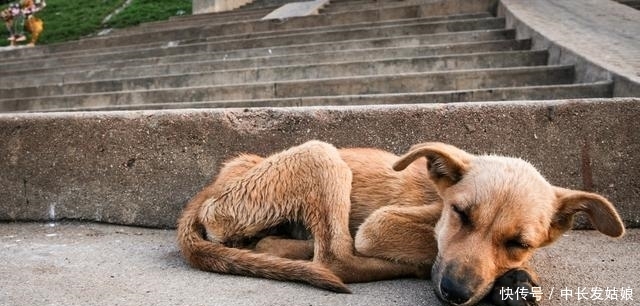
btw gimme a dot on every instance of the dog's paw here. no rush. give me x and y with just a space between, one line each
515 288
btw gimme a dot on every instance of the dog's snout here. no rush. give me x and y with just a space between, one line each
454 292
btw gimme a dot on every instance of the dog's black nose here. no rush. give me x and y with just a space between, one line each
454 292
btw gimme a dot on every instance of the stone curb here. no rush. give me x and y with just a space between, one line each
140 168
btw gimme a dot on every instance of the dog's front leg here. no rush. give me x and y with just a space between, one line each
403 234
517 287
400 234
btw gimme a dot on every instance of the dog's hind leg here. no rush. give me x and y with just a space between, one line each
326 214
308 184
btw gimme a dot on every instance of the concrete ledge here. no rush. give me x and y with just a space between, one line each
599 37
140 168
297 9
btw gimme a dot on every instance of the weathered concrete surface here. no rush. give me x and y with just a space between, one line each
211 61
140 168
199 32
217 50
543 92
213 74
599 37
89 264
194 89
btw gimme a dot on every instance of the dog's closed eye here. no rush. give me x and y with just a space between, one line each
462 214
517 243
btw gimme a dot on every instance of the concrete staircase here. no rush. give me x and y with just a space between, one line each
355 52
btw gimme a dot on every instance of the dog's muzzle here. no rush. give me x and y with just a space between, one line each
454 292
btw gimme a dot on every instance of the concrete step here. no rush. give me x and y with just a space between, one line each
319 28
211 76
80 263
181 22
567 91
210 62
366 30
301 36
221 50
313 21
241 71
401 83
164 37
140 168
215 74
143 37
393 27
320 24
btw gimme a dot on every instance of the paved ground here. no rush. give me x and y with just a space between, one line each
94 264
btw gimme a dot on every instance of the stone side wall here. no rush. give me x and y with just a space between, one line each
598 37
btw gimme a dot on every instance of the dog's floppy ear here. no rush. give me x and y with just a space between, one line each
446 163
601 212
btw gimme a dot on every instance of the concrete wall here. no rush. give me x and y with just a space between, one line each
598 37
140 168
214 6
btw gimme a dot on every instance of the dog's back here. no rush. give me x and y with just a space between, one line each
375 184
237 188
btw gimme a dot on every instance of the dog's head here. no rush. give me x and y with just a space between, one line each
497 212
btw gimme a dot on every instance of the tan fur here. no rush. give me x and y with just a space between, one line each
309 184
32 24
467 219
35 26
496 212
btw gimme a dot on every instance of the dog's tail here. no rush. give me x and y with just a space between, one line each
216 257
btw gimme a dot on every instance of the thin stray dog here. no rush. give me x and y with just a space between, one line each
327 217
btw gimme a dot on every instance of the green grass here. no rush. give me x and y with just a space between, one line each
66 20
149 10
